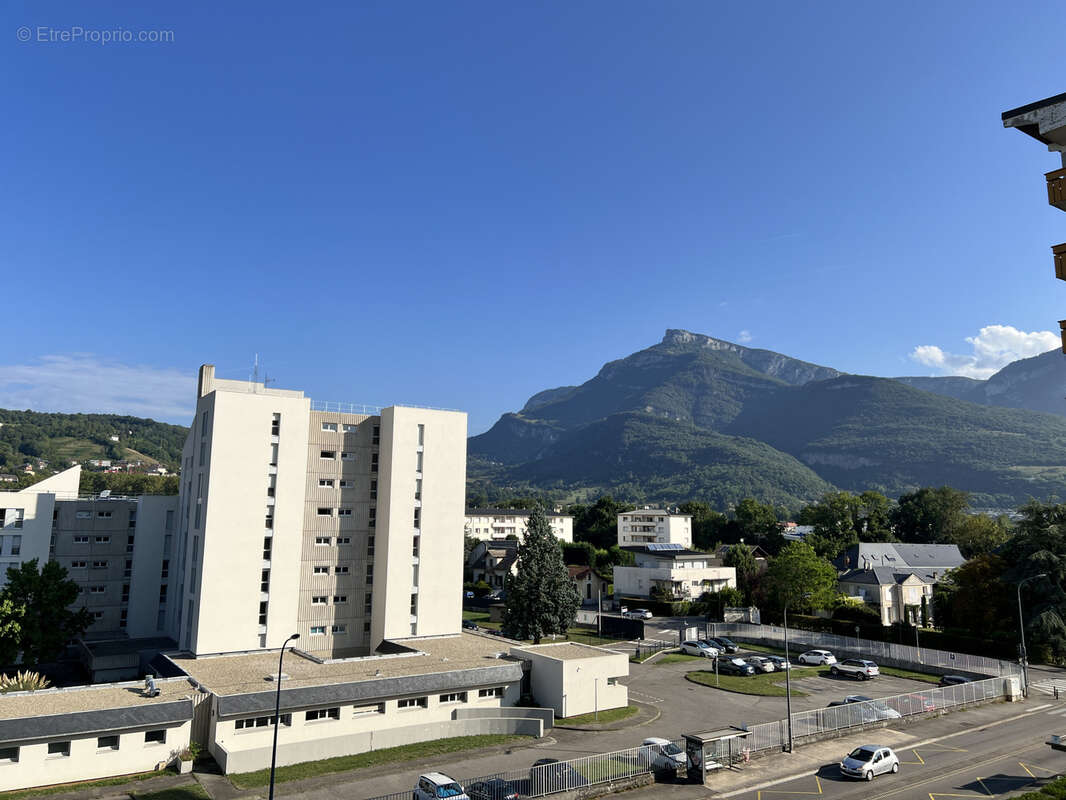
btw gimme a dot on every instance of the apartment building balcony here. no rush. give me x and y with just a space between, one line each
1062 325
1056 188
1058 252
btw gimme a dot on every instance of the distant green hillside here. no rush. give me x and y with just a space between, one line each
61 438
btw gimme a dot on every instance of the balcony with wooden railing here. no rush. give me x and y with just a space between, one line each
1058 251
1056 188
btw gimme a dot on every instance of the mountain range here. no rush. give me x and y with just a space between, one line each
694 417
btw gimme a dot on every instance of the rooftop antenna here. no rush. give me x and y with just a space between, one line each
254 378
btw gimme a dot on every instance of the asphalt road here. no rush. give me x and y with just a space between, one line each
994 761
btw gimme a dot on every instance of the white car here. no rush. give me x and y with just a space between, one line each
761 663
694 647
638 613
438 786
817 657
663 754
869 760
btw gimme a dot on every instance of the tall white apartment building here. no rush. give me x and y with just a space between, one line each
499 523
344 527
654 526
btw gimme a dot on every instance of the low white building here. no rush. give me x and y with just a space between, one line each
499 523
62 735
654 526
575 678
673 571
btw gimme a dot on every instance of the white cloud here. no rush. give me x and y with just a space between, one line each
994 347
85 383
744 337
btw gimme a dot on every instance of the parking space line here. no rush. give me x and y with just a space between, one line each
817 782
917 756
1026 767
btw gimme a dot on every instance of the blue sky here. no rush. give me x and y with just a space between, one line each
460 204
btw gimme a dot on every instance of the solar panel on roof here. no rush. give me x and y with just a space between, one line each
665 546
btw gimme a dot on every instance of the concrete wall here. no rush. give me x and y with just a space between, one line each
573 686
155 542
35 767
361 728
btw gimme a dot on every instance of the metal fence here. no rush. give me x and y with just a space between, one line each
818 721
882 652
563 776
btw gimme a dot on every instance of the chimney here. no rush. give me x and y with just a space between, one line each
206 383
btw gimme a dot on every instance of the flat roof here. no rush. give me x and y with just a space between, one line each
1047 101
566 651
46 702
247 673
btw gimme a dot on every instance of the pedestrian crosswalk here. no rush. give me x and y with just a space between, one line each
1053 687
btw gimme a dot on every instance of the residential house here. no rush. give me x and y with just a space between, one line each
492 561
761 556
654 526
590 584
499 523
671 570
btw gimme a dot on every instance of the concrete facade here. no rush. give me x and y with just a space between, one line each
680 574
499 523
654 525
319 522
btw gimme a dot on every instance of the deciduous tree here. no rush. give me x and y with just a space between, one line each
48 623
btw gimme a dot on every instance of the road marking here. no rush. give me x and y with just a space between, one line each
919 761
944 747
1026 767
651 698
817 783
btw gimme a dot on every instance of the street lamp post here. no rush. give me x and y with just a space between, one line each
788 683
277 714
1021 630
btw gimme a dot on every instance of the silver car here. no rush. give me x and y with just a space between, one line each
761 663
869 760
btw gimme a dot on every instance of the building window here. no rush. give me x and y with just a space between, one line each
318 630
99 565
79 564
326 482
165 571
367 601
260 722
16 545
275 425
347 484
376 436
344 540
341 570
329 426
155 737
418 461
344 512
129 568
323 713
414 546
325 512
340 599
362 711
421 435
125 593
370 545
350 428
418 488
413 702
373 462
103 540
98 615
107 743
418 517
373 490
322 540
327 454
366 627
103 514
97 589
454 697
347 456
81 540
369 573
9 755
59 749
318 570
339 629
496 691
319 599
264 581
83 514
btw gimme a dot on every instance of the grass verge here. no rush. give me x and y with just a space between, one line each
193 791
680 658
407 752
924 677
71 787
768 684
611 715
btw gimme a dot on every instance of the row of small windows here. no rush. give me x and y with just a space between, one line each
328 540
332 426
332 454
10 755
329 483
97 539
322 599
320 630
334 712
328 512
321 569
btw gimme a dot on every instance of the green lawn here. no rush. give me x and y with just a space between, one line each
70 787
193 791
680 658
407 752
612 715
767 684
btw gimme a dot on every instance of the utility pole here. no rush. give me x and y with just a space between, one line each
1021 630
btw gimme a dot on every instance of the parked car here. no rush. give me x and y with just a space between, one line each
868 761
858 668
469 625
855 714
735 666
637 613
549 775
469 595
915 703
761 663
954 680
694 647
780 663
724 644
438 786
496 594
663 754
883 709
493 789
817 657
